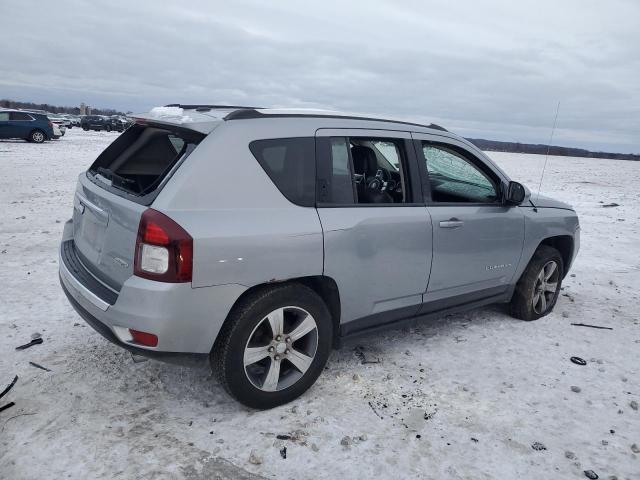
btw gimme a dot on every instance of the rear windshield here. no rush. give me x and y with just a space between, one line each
137 162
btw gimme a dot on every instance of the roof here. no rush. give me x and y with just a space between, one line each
235 112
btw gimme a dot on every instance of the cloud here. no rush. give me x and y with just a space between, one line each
484 69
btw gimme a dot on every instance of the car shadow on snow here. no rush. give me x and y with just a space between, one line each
105 365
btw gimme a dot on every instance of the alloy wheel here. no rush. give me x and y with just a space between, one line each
281 348
545 287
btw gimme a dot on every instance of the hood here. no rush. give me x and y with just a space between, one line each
543 201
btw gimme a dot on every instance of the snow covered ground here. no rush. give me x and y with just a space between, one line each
463 397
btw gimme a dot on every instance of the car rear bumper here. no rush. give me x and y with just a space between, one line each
179 358
186 320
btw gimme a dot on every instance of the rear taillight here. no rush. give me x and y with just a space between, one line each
50 124
164 250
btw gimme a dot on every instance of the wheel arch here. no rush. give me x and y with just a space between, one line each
38 129
565 245
325 287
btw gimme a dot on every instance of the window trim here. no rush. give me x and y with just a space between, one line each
497 179
411 165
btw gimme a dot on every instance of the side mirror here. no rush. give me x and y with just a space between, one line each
516 193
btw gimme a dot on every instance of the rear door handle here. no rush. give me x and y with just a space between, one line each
451 223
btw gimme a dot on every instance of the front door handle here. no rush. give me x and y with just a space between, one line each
451 223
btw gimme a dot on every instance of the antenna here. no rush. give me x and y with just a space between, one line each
546 158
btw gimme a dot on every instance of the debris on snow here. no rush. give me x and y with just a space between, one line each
578 361
537 446
35 341
254 458
633 404
635 448
37 365
591 474
365 357
591 326
283 452
8 405
15 379
575 389
609 205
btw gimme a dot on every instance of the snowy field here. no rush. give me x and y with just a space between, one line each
464 397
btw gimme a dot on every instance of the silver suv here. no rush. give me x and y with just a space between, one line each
256 239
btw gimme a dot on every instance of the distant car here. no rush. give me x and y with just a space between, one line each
119 123
96 122
57 133
61 122
68 120
33 127
75 121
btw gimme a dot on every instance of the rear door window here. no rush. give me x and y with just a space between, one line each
138 161
290 164
20 116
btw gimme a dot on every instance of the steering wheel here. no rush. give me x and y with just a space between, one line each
382 181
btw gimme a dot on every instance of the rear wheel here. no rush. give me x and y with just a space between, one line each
37 136
273 346
538 289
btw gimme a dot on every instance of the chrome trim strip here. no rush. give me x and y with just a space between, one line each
76 285
92 206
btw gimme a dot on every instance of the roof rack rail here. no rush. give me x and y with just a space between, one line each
206 107
245 113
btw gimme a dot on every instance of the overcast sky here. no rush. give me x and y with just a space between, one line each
491 69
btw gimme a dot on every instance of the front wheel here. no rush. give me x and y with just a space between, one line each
37 136
273 346
539 286
108 128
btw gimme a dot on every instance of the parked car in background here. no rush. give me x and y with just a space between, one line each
33 127
57 133
59 121
68 120
96 122
119 123
257 239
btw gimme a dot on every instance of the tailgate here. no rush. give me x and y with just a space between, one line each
105 227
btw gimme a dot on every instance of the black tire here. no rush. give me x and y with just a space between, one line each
227 356
522 303
85 129
37 136
108 128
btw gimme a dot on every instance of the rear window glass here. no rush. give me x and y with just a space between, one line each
290 163
139 159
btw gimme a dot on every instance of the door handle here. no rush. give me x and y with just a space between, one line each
451 223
